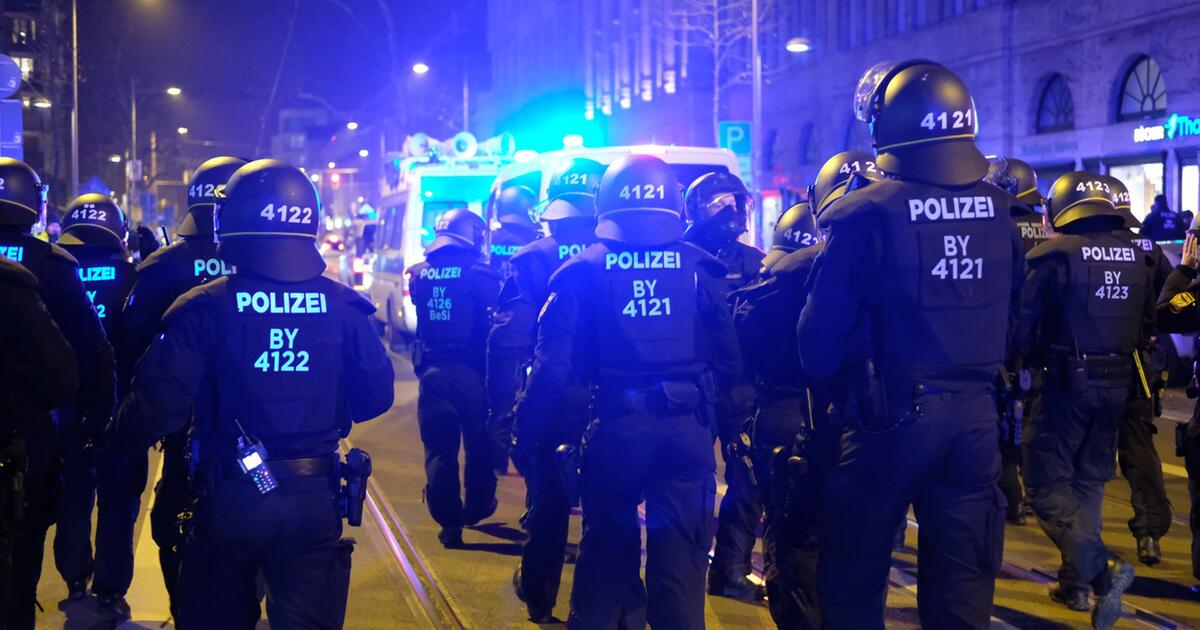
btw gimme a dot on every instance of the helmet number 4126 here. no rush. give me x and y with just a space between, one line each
287 214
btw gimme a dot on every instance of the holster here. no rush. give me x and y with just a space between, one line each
355 471
875 410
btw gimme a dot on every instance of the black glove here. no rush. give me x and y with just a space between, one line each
147 242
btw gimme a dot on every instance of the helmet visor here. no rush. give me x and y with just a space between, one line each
733 207
867 85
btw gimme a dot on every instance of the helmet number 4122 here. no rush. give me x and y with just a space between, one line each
287 214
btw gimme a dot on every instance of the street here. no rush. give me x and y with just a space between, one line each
402 577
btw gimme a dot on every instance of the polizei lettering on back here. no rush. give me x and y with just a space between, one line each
1109 254
441 273
281 302
211 267
950 209
97 274
650 259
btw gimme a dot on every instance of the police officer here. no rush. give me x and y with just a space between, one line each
717 206
39 374
1087 307
270 366
1136 453
95 233
22 204
1179 312
511 210
570 216
455 292
640 316
910 303
1018 179
167 274
787 406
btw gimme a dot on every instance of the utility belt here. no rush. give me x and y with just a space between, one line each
1078 372
281 469
879 401
668 397
427 353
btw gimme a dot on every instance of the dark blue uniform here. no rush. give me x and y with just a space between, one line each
910 305
741 511
162 278
454 292
39 375
788 405
510 348
114 479
1088 304
290 365
506 241
641 326
1136 454
64 295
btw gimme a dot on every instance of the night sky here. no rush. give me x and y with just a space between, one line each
227 54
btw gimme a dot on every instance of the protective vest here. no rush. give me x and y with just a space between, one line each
1032 231
194 259
278 362
107 279
645 308
450 315
765 315
505 244
941 304
33 254
1102 308
539 260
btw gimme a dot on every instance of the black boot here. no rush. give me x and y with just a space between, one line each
1109 586
1149 552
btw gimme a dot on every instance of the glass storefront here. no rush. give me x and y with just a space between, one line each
1144 182
1189 188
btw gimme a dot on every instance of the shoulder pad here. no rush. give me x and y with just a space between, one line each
1048 248
846 207
195 297
707 261
63 254
161 255
13 273
1182 301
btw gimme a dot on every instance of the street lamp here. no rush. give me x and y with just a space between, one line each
332 165
183 131
174 91
798 45
352 125
363 153
115 158
420 68
42 102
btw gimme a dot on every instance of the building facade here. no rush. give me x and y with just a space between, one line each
1106 85
35 33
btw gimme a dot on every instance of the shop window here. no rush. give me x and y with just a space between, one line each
26 66
1143 93
1189 187
24 31
1144 181
1056 108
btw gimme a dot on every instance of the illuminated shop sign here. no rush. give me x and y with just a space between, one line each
1177 126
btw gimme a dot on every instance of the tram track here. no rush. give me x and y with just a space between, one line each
427 596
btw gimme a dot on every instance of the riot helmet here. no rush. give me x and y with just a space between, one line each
923 122
571 193
22 195
796 229
835 175
512 207
458 228
1079 195
719 204
207 180
94 219
1017 178
266 220
638 202
1120 198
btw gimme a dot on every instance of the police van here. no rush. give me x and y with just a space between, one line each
434 177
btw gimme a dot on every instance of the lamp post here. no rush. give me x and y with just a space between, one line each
132 167
421 68
74 99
